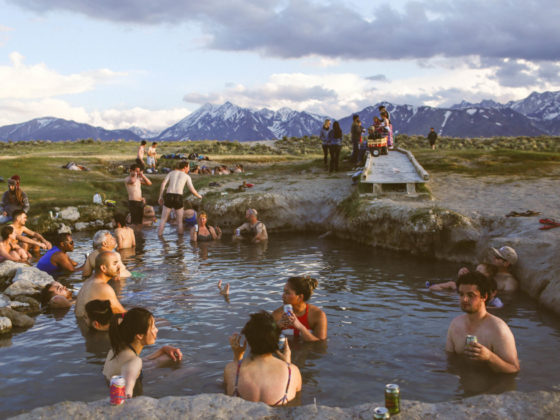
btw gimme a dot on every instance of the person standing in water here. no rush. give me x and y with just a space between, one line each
136 202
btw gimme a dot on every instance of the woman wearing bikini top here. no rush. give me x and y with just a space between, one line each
307 321
205 233
261 377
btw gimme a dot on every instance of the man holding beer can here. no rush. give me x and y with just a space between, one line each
477 334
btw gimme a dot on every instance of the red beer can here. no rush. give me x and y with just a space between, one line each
117 392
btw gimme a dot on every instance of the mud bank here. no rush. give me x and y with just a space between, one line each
510 405
416 225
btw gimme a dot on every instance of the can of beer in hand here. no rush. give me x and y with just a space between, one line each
281 342
393 398
381 413
117 391
288 309
237 232
196 227
470 340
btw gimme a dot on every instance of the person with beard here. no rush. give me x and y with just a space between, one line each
96 287
495 344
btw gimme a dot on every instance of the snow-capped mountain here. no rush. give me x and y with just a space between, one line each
231 122
57 129
143 133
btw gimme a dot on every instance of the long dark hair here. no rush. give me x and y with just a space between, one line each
122 333
261 333
337 132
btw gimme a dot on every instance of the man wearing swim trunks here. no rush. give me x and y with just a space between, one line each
140 155
495 344
173 198
133 184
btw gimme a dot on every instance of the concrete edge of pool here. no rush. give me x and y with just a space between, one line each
509 405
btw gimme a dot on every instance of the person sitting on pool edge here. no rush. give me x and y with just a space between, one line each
9 248
56 261
496 344
261 377
307 321
129 334
204 233
56 296
96 287
99 314
253 229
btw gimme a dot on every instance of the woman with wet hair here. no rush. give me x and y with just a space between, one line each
306 320
99 314
202 233
129 334
261 377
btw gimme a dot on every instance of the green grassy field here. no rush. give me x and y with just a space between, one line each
39 164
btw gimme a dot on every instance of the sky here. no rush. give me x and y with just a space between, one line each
148 64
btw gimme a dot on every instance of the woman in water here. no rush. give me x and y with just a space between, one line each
129 333
204 233
9 248
261 377
307 321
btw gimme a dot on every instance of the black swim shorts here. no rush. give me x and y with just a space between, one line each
136 211
173 201
140 162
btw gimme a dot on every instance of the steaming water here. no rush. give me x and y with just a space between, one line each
384 326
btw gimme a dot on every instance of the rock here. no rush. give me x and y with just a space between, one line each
62 228
4 301
31 305
19 320
19 306
5 325
98 223
70 213
506 406
8 268
81 226
28 281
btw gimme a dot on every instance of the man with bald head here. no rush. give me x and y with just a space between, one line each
96 287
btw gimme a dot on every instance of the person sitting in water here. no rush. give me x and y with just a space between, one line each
253 229
107 267
493 300
26 237
149 217
238 169
261 377
103 241
9 248
99 314
306 320
495 344
190 218
56 296
487 269
56 261
125 235
129 335
204 233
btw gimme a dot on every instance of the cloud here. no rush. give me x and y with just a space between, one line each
378 78
4 34
17 111
515 29
21 81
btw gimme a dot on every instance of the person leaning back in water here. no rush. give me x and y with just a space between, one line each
56 296
495 344
253 229
96 287
307 321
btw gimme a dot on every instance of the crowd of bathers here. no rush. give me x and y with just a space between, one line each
266 374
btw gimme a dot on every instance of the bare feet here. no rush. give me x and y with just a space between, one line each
225 290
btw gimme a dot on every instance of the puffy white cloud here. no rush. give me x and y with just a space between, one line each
21 81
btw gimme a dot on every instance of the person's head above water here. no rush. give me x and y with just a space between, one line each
474 278
261 333
299 289
251 215
120 220
107 263
54 289
104 239
136 325
65 242
488 270
99 314
504 257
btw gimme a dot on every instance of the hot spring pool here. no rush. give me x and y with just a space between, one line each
384 325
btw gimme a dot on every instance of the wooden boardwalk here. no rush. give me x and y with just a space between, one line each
397 167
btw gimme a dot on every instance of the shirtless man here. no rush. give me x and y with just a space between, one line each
125 235
253 229
496 344
152 153
134 184
57 261
504 258
140 155
56 296
103 241
173 198
33 238
96 287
